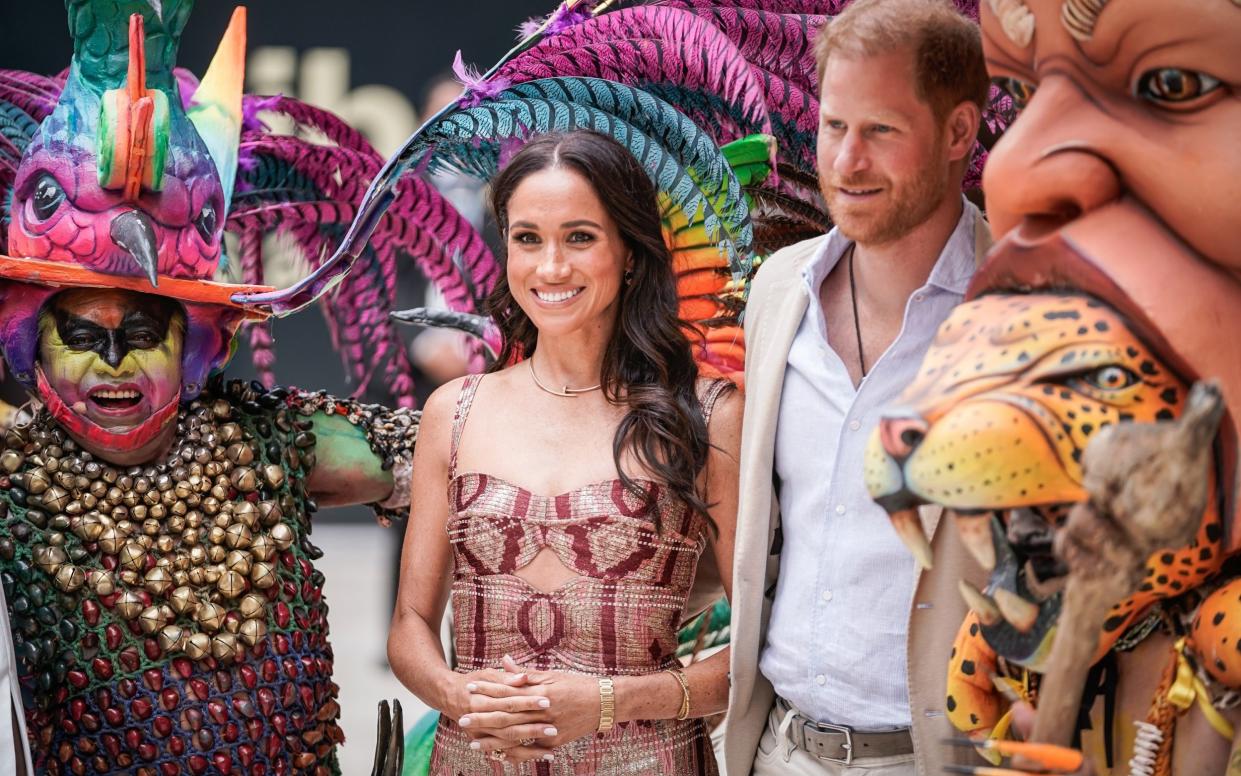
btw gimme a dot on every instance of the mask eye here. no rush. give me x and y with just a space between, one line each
1173 87
1109 378
205 223
1020 91
47 197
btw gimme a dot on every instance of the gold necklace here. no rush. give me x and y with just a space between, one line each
566 391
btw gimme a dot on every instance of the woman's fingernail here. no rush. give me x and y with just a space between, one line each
549 731
544 703
471 687
475 745
464 722
548 758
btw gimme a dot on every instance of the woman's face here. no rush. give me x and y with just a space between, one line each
566 258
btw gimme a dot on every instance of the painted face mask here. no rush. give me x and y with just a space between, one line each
110 365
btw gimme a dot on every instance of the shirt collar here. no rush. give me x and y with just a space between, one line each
952 271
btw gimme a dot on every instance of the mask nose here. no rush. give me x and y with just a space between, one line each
900 433
133 232
1048 170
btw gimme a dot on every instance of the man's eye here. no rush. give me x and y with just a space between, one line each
1020 91
142 340
834 124
82 342
881 129
1174 86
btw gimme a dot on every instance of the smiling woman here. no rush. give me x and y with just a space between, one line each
575 516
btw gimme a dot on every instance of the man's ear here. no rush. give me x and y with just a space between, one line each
961 129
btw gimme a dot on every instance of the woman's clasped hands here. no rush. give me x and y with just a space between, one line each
523 715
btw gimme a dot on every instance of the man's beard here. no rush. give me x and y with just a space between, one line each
905 207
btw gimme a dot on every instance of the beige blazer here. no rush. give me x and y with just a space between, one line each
774 311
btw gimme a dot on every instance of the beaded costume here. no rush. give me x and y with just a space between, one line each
620 616
166 613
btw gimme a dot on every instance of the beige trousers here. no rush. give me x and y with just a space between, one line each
776 756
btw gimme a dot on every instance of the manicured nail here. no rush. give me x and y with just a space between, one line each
544 703
475 745
464 722
547 758
549 731
471 687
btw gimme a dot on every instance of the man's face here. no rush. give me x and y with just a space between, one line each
1147 106
883 156
114 357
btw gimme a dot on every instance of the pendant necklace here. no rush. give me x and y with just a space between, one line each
566 391
857 326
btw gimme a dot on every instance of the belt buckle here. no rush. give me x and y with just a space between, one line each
827 727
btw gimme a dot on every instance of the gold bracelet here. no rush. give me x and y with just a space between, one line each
679 675
607 704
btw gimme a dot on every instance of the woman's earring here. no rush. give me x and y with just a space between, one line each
628 277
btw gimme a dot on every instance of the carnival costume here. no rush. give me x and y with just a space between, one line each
166 613
1106 314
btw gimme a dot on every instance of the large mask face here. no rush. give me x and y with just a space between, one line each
110 367
1124 99
1010 393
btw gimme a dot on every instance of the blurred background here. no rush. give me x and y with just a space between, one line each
381 65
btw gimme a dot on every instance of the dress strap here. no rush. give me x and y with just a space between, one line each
714 391
464 401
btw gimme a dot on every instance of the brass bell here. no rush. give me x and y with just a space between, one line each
89 527
224 647
215 534
238 536
240 454
246 513
102 582
244 479
263 547
183 600
252 631
70 577
165 543
210 616
231 584
173 638
238 561
132 556
158 580
263 575
49 559
282 535
198 555
197 646
37 482
216 553
11 460
273 474
151 619
129 604
252 605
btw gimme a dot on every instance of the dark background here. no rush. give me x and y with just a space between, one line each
393 44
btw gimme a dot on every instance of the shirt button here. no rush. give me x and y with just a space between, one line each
840 509
919 297
854 425
821 680
827 595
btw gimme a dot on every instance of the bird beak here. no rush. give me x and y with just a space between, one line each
132 231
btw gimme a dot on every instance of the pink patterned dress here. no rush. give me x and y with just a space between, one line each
619 617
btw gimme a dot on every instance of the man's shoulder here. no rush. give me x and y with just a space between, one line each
786 264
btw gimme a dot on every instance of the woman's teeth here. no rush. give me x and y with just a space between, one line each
558 296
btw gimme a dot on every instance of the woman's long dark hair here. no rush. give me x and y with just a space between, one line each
648 364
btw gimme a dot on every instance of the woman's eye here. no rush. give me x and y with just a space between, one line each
1109 378
1174 86
525 238
1020 91
581 237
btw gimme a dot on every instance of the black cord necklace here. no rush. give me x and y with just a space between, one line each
857 326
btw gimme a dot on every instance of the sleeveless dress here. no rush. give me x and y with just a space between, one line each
618 618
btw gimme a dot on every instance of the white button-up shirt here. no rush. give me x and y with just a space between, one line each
836 641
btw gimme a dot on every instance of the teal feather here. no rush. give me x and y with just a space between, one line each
701 183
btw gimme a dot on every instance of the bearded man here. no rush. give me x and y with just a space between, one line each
848 638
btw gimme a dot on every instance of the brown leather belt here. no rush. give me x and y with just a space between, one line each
842 744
